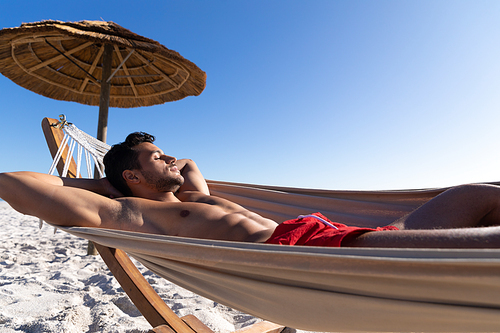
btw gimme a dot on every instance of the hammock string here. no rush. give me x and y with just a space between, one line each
58 155
94 151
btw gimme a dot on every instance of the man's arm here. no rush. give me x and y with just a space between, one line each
100 186
193 179
54 199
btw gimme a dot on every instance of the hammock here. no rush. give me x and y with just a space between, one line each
326 289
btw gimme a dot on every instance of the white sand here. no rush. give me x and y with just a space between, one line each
49 284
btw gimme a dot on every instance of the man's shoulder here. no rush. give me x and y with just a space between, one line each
193 196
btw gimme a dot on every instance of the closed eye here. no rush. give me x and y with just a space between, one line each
157 155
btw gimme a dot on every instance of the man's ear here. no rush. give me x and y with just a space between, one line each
130 176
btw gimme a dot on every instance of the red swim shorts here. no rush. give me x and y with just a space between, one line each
316 230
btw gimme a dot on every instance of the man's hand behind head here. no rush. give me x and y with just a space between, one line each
109 190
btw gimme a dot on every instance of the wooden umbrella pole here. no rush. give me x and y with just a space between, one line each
102 125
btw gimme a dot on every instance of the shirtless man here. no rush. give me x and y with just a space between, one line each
169 196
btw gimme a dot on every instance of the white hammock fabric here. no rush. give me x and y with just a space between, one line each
327 289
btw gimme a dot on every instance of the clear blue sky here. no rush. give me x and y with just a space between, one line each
320 94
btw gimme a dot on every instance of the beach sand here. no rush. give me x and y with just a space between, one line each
49 284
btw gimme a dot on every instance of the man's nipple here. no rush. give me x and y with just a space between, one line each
184 213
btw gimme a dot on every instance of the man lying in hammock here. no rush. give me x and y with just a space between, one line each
162 195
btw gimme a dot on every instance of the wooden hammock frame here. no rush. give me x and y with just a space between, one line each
140 292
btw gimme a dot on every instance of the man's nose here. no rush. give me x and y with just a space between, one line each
169 159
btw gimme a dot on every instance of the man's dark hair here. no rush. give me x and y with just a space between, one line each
123 156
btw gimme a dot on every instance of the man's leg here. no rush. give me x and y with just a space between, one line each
459 207
483 237
463 217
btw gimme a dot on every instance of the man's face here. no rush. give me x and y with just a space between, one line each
159 170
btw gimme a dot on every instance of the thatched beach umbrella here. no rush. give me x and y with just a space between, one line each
96 63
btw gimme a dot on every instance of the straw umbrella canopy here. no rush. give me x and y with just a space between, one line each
96 63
